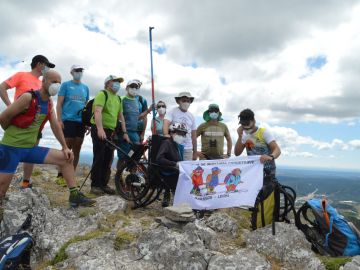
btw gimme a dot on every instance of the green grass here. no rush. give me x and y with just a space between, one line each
334 263
122 239
61 254
36 172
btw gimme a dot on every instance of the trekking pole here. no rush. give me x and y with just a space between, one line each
152 80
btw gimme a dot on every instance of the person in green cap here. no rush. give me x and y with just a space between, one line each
212 133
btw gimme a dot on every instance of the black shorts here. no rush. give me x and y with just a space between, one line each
74 129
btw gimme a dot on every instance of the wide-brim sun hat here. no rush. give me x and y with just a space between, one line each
185 94
206 114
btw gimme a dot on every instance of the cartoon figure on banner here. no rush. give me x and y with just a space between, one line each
232 180
212 180
197 180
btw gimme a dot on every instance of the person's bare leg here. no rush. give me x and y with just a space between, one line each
5 180
69 143
28 169
76 147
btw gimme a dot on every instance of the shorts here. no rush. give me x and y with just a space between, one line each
11 156
73 129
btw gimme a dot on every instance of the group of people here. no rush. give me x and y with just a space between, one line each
111 113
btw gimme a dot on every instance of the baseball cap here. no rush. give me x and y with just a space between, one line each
137 82
76 67
41 59
113 78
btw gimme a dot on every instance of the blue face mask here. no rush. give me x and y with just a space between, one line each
115 87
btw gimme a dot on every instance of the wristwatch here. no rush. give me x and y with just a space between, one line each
272 157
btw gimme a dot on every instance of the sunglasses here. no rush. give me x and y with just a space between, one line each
78 70
161 106
134 85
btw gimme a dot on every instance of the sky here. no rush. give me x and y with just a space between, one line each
295 63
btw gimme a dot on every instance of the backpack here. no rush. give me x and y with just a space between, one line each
25 119
328 232
273 204
87 113
15 249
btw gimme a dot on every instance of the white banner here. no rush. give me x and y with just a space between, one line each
212 184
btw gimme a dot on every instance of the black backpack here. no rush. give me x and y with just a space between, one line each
15 249
87 113
273 204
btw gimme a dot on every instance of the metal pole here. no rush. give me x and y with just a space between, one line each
152 81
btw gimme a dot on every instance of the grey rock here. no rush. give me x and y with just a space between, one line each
353 265
243 259
181 213
289 246
169 223
110 204
222 222
173 250
198 230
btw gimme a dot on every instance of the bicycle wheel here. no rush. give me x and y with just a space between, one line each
131 182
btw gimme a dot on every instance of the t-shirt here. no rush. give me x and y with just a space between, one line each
142 108
131 112
212 138
257 143
178 116
159 125
75 97
23 81
27 137
111 109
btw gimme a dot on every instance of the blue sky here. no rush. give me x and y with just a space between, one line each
300 79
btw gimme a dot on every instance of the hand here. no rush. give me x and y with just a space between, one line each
69 155
195 155
61 123
201 155
264 158
240 131
101 134
126 138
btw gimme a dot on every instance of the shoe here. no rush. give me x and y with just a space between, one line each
25 185
109 190
79 199
98 191
166 199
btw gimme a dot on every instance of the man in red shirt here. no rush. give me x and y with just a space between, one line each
25 81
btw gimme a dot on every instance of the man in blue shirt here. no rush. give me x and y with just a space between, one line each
72 98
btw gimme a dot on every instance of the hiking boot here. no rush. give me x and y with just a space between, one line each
109 190
79 199
25 184
166 199
98 191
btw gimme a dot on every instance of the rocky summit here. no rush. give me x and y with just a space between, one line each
112 235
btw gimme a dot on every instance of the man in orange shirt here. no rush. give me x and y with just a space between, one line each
26 81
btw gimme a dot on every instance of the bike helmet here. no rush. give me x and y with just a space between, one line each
178 128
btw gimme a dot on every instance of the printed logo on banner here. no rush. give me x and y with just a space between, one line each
212 184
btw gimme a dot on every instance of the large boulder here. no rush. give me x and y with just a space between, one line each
288 246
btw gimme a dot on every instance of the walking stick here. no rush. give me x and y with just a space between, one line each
152 81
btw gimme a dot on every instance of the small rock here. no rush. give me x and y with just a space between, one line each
353 265
182 213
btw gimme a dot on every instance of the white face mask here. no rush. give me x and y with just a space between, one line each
54 89
77 76
161 111
214 115
184 105
44 70
179 139
133 91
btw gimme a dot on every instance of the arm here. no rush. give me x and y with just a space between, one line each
20 105
239 146
3 93
166 128
229 144
199 132
123 127
275 152
194 143
98 122
59 135
59 104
